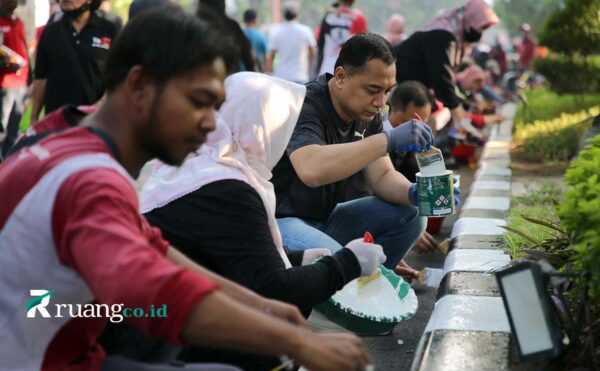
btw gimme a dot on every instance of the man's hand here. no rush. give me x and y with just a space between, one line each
411 136
284 311
425 244
405 271
413 195
331 352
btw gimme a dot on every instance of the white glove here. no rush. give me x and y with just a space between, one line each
369 255
311 254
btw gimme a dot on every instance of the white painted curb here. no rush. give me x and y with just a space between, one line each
487 203
475 260
483 226
469 313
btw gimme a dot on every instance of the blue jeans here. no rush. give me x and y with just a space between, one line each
394 227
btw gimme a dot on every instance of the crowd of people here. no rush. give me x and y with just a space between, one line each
269 157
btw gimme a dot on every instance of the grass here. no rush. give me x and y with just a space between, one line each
540 204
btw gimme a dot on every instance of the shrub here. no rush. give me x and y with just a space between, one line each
555 139
580 213
573 28
544 104
571 74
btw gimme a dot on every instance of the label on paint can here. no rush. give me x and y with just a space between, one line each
435 194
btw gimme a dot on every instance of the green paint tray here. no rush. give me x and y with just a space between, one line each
365 324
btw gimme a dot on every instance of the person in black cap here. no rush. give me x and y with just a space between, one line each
70 57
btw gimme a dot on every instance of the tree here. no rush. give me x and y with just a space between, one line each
573 34
514 13
573 29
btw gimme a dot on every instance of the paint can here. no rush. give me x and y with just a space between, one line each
435 194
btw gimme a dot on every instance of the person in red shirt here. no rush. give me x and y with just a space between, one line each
526 48
14 72
75 251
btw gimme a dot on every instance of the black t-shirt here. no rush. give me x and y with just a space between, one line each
224 227
428 57
318 123
72 63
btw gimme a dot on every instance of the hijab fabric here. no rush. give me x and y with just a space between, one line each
475 14
254 126
470 74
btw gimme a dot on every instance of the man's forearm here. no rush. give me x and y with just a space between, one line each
228 287
458 114
269 57
311 57
392 187
221 322
318 165
37 98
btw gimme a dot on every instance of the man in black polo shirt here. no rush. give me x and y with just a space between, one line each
339 144
70 57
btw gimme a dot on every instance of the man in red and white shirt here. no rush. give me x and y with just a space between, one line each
14 71
339 24
70 224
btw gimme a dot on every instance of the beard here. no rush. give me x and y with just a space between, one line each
152 140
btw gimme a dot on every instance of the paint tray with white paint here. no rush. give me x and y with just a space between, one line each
374 308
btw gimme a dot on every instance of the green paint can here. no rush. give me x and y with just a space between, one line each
436 194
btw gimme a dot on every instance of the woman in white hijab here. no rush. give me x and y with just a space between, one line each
219 207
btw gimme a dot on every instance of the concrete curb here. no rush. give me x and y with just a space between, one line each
468 328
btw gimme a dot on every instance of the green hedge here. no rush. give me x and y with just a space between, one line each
545 104
573 28
580 213
555 139
576 75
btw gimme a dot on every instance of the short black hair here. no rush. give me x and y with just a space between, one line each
250 15
177 44
290 11
409 92
361 48
290 14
